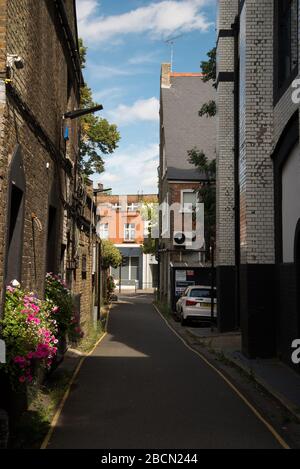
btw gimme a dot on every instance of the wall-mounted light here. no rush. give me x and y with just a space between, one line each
82 112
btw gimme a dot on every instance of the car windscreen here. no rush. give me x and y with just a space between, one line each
201 293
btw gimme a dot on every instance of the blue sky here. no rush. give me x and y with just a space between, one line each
126 46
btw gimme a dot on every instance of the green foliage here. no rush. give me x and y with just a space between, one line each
82 53
30 333
209 67
149 214
208 109
111 286
66 316
111 256
206 193
209 70
98 136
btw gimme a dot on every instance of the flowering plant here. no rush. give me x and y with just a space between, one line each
29 332
66 316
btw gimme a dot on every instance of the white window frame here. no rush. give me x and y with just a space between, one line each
104 233
129 231
165 217
133 207
116 207
183 208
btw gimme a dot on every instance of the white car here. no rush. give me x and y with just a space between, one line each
195 303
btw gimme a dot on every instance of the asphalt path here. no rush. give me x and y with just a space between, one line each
143 388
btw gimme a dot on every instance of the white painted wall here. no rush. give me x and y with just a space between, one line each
148 260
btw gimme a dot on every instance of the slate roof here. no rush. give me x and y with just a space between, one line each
183 128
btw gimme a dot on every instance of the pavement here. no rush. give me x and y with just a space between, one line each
281 381
143 388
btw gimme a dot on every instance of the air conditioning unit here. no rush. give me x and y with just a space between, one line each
188 240
184 238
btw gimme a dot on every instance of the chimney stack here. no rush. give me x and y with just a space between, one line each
165 75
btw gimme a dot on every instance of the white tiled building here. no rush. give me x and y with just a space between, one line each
258 208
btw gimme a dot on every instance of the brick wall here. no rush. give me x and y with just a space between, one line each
256 134
228 10
32 31
268 320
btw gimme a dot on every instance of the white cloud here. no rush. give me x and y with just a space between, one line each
141 59
131 170
108 93
141 110
107 72
157 19
85 8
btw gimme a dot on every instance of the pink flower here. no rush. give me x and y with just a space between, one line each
30 355
22 379
20 360
29 378
55 309
10 289
30 318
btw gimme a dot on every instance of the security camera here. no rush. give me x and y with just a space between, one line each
14 60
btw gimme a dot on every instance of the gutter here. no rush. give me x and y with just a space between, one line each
69 39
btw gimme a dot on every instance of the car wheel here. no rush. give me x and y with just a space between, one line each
183 321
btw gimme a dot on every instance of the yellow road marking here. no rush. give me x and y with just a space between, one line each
67 393
241 396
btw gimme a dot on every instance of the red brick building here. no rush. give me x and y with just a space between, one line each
123 223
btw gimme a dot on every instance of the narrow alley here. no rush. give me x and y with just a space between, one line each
143 388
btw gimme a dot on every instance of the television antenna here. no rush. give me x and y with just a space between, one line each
171 42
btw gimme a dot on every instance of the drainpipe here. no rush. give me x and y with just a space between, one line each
236 29
3 76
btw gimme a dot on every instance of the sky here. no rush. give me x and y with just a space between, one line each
126 42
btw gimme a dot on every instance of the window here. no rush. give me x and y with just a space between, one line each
124 270
116 207
165 217
129 232
188 200
286 41
202 293
134 264
104 233
132 207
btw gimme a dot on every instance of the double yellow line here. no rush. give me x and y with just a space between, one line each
240 395
67 393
